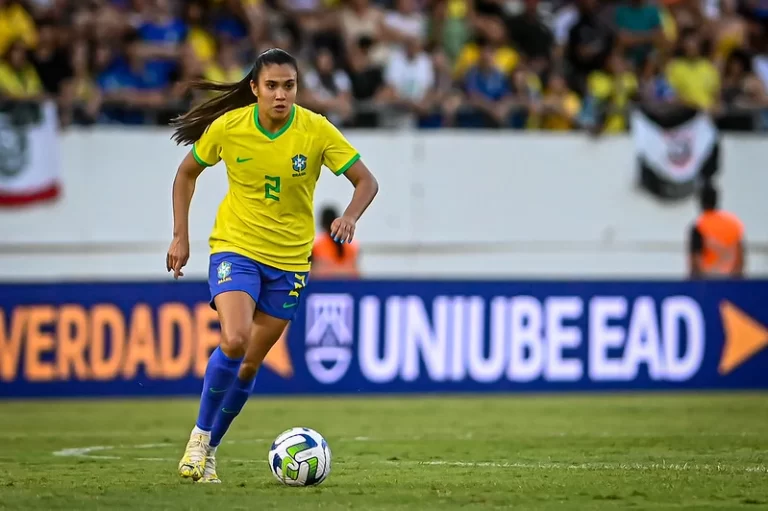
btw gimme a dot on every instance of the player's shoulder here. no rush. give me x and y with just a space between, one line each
310 121
234 119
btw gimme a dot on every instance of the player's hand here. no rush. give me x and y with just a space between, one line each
178 255
343 229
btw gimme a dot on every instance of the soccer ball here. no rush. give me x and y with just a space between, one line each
300 457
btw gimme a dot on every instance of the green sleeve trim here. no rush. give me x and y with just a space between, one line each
349 164
198 159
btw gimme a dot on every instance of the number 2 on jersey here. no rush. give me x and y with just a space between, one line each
272 188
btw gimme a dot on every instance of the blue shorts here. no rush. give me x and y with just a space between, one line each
276 292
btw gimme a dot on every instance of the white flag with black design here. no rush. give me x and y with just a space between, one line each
29 163
674 150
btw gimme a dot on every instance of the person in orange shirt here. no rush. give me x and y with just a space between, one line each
332 259
716 241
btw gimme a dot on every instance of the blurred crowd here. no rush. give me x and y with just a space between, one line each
525 64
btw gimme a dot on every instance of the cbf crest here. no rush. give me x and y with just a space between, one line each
299 163
224 272
329 336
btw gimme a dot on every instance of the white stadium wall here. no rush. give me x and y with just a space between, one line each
452 204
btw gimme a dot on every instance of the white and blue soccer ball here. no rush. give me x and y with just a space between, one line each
300 457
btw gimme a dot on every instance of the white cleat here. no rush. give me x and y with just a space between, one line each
193 463
209 475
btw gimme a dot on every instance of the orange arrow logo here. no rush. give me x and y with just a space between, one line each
744 337
279 358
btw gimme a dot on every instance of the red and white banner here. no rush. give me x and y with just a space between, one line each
29 156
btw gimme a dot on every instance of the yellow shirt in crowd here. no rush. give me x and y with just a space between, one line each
15 24
695 81
505 58
19 84
616 92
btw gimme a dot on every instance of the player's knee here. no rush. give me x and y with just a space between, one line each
233 343
248 370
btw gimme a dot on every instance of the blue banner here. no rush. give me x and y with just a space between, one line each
134 339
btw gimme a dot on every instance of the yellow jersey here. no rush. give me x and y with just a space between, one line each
268 212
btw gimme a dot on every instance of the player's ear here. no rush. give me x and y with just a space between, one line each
254 88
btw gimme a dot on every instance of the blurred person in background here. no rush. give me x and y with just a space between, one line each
559 107
198 34
640 30
693 76
15 24
526 92
487 91
409 77
716 243
52 61
655 90
451 25
609 92
227 66
531 36
361 18
590 42
493 38
367 79
81 99
328 89
161 33
18 77
743 95
729 32
406 22
331 259
128 90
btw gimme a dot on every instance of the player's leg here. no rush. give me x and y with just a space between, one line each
265 332
277 304
235 286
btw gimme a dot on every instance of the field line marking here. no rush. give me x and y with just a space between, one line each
86 452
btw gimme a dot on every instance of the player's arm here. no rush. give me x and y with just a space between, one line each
695 249
205 153
342 158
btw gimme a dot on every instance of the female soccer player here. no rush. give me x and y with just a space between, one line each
262 237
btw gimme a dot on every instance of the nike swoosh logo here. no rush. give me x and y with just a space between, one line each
289 305
243 160
216 391
228 411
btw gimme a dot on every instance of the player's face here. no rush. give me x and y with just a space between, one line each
276 90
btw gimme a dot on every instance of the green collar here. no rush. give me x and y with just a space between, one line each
273 136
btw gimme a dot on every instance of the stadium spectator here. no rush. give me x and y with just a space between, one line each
590 41
559 107
531 36
18 77
81 99
694 77
409 77
639 26
494 39
15 24
139 53
328 89
487 90
360 18
609 92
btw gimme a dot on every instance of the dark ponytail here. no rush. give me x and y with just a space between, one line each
189 127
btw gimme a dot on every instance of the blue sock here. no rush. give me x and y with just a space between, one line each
219 375
230 408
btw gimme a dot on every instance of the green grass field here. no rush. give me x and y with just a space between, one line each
509 452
